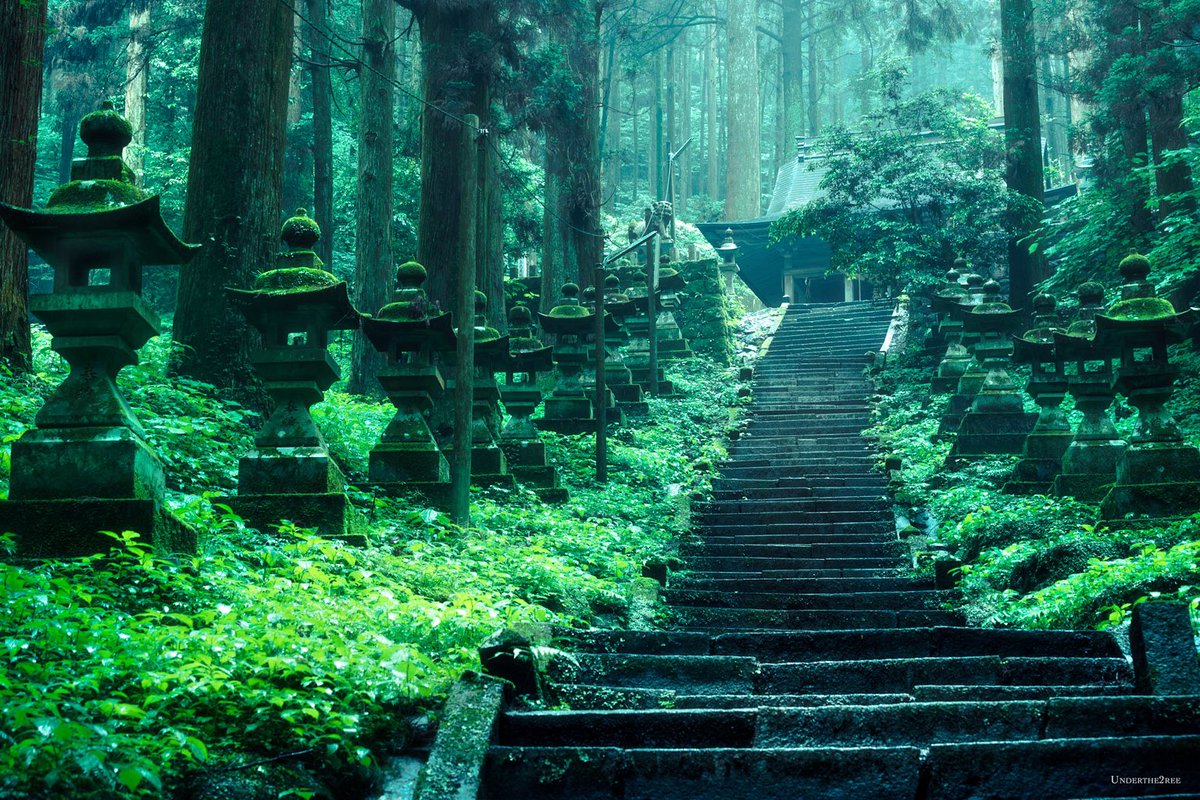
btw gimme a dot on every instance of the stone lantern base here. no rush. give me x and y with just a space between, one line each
528 463
1156 483
69 484
71 528
299 484
985 433
1040 464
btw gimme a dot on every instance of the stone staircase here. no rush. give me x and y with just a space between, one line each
803 663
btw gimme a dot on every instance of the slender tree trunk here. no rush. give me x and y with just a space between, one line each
69 115
780 122
296 73
22 41
375 263
685 158
489 230
742 178
792 70
234 182
814 86
322 101
712 154
1167 133
671 132
552 234
636 112
610 124
1023 140
137 68
656 130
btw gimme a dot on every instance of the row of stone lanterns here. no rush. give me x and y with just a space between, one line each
1102 353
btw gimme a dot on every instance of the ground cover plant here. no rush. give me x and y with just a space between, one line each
135 673
1030 562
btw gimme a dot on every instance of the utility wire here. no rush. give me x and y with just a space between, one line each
353 57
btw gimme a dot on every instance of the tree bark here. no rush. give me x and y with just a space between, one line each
1023 141
1167 133
712 153
374 263
137 69
455 77
742 176
814 94
656 130
22 40
322 101
234 182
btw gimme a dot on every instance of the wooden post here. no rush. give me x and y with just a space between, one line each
601 385
655 248
464 317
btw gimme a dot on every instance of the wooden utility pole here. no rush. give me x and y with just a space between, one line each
601 385
464 317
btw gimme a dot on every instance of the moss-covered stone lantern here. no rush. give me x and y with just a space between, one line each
410 331
1089 465
618 375
569 408
520 440
672 346
636 324
729 266
612 360
996 421
290 475
955 357
1158 476
1041 458
86 466
973 373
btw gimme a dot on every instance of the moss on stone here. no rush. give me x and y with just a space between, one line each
1142 308
80 197
105 131
411 273
992 308
294 279
569 312
401 312
301 232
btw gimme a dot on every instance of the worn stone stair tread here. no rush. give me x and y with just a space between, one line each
821 584
642 728
906 600
902 674
1062 769
698 674
743 619
975 692
692 774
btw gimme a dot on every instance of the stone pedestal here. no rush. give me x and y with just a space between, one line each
520 440
86 467
569 408
945 340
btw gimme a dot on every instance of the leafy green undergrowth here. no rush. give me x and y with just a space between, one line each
1035 562
129 674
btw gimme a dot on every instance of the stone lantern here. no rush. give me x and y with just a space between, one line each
409 331
290 475
86 466
973 373
489 467
618 375
1158 476
1089 465
636 324
520 440
671 344
613 362
996 421
956 357
729 266
569 409
1041 459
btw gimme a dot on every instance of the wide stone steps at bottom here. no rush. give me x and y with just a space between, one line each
1048 769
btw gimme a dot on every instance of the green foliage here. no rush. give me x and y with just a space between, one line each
918 185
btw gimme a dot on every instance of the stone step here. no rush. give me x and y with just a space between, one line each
902 674
808 533
608 773
953 692
883 600
739 619
769 566
895 550
839 505
822 584
583 697
721 517
689 576
793 493
689 674
855 645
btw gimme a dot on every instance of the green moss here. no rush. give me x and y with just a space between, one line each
1142 308
410 273
486 334
294 279
523 344
105 130
569 312
401 312
79 197
992 308
301 232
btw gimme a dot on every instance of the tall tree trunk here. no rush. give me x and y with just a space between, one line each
610 124
712 153
234 182
792 70
742 179
455 76
489 234
296 73
553 273
322 102
1167 133
636 112
671 132
656 130
22 40
137 69
685 133
375 264
1023 141
69 115
779 123
814 93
